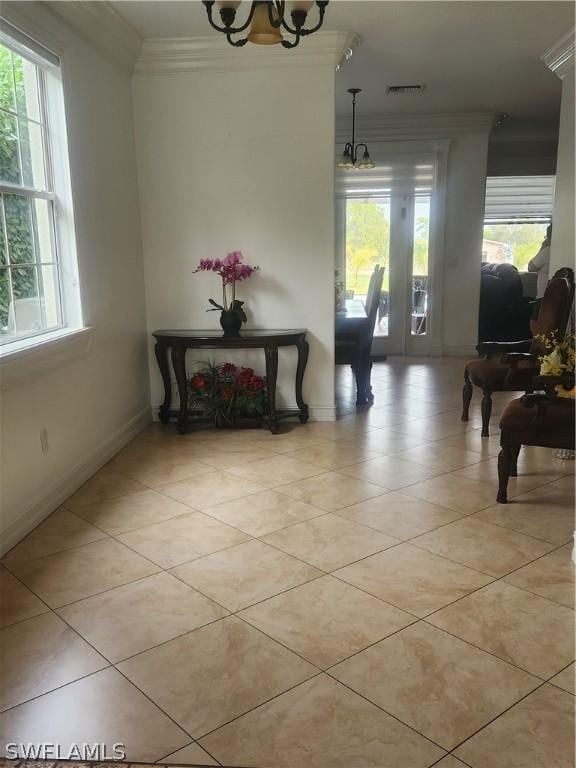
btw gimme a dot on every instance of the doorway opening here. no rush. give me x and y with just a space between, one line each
392 231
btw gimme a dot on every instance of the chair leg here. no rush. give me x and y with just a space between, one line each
506 459
369 393
360 376
514 466
466 395
486 410
362 370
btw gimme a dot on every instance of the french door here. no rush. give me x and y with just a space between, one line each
392 230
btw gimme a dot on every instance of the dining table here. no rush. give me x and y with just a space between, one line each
351 316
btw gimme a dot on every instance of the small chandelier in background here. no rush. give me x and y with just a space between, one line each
266 19
350 157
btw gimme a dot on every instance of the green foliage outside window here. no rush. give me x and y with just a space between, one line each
524 240
367 243
421 240
15 168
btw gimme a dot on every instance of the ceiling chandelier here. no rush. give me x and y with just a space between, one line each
266 19
350 157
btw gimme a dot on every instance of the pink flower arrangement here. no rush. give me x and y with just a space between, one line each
231 270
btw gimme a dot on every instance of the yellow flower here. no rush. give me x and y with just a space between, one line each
551 365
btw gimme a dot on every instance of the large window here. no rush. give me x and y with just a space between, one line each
513 243
518 211
32 295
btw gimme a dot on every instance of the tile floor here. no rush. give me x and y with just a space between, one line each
342 594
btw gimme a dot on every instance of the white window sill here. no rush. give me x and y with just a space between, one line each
38 355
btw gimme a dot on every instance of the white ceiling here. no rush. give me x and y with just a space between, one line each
472 56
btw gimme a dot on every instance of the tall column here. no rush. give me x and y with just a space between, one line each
560 59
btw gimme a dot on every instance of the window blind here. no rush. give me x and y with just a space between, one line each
519 199
402 178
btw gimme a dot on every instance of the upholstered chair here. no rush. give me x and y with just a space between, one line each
538 418
511 366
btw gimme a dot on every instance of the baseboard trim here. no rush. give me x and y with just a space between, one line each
322 413
56 494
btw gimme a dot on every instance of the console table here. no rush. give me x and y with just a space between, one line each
177 342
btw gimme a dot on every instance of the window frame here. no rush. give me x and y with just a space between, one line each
58 195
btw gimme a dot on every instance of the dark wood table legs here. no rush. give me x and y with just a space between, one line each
271 354
303 351
161 352
179 365
177 342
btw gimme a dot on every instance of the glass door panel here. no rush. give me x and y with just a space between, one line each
419 304
368 245
393 232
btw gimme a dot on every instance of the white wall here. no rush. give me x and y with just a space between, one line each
562 254
103 393
242 160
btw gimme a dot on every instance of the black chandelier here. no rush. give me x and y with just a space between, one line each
267 19
350 157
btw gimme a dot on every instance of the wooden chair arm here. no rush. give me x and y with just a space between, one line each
513 358
489 348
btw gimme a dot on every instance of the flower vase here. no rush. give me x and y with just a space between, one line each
231 323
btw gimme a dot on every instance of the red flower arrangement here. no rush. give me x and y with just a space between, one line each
225 392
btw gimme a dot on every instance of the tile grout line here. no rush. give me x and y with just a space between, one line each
492 720
167 570
390 714
110 665
203 511
324 512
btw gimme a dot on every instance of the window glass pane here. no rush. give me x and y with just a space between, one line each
49 274
26 312
32 154
368 244
31 295
43 231
6 80
22 158
19 229
513 243
420 265
24 283
9 153
4 300
26 87
2 237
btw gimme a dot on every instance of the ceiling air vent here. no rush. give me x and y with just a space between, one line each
405 88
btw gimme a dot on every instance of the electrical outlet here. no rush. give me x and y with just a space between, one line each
44 440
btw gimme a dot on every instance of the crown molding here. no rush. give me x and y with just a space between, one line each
102 25
430 125
560 57
214 54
